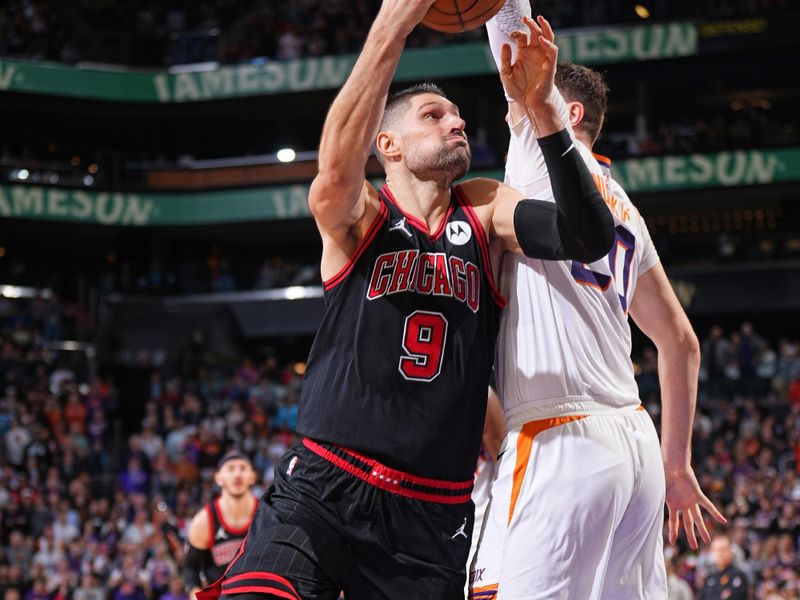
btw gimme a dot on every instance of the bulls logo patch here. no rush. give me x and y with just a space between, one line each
459 233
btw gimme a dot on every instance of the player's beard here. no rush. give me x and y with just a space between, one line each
446 163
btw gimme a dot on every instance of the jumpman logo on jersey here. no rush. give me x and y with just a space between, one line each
401 226
461 531
222 534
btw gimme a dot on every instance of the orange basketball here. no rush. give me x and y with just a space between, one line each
455 16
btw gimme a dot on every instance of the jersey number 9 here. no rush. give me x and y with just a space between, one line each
424 339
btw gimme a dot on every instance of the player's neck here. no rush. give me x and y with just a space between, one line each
584 139
236 507
427 200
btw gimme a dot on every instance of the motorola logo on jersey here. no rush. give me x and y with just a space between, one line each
459 233
427 273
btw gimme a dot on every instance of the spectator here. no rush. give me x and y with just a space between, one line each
727 581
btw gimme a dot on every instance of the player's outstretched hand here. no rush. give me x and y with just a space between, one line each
531 77
685 500
404 15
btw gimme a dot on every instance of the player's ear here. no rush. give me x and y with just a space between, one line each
386 144
576 113
218 478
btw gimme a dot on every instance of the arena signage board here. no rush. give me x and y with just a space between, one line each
724 169
752 167
605 45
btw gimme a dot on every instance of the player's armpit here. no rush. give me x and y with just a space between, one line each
657 311
341 239
336 203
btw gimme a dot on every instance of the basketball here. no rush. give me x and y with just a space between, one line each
455 16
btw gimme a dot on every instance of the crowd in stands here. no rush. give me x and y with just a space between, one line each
746 450
240 30
95 507
735 127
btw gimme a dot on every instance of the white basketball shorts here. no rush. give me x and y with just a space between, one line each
576 512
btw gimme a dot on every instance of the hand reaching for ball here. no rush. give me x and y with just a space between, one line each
403 15
531 77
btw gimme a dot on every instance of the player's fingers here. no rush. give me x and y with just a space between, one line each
548 46
505 59
701 524
688 527
672 526
712 510
533 27
547 30
521 39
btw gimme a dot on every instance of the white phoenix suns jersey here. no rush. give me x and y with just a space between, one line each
564 344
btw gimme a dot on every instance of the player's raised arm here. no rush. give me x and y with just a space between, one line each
658 313
338 193
578 226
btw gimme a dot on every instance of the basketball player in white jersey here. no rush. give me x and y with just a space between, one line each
577 506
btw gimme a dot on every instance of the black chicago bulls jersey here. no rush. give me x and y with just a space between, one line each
225 541
400 365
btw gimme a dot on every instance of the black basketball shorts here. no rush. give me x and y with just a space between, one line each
336 521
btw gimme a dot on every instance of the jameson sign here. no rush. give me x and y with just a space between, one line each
744 167
103 208
277 77
670 40
753 167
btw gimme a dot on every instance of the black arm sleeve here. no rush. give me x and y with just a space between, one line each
192 566
579 226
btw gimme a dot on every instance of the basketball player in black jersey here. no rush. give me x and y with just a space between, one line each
375 501
217 531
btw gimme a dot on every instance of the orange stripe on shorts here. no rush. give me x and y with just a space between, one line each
524 444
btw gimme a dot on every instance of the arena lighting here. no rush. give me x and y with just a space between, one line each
10 291
23 174
642 11
296 292
17 291
286 155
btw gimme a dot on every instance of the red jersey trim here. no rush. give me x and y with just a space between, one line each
379 220
483 243
423 227
224 523
229 586
381 478
214 591
261 589
394 474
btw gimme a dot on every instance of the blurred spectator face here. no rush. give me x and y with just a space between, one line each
16 539
721 552
12 594
236 477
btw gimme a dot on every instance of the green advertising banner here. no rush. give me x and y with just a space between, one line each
646 42
724 169
693 171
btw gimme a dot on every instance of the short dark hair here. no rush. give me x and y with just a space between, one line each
233 455
397 104
581 84
399 101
